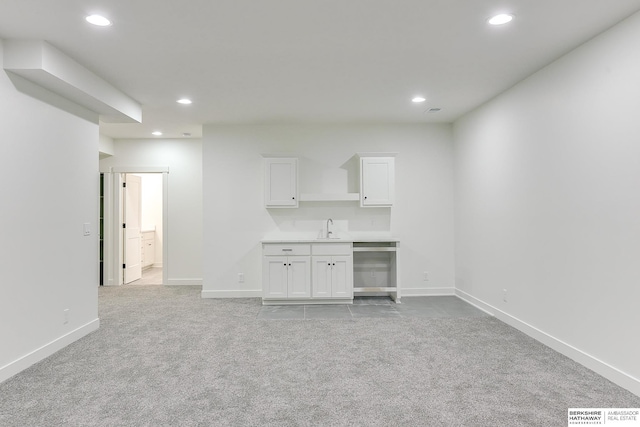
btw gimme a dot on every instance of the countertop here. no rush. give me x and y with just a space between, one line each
341 238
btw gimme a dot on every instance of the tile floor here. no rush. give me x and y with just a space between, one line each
380 307
150 276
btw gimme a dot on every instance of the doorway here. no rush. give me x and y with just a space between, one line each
135 226
143 233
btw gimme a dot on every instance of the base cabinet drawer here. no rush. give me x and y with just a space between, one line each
277 249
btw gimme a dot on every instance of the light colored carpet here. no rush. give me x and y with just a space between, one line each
165 357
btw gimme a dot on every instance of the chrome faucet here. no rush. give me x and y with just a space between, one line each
329 233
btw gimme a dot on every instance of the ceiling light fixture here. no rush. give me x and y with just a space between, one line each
500 19
156 133
418 99
98 20
184 101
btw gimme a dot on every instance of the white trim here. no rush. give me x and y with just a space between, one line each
184 282
252 293
47 350
427 292
165 227
108 278
602 368
139 169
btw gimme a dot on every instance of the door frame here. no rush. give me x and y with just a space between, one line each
113 253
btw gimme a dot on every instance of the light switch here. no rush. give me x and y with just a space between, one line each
86 229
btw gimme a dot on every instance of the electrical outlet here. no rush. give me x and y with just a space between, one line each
504 295
240 277
425 276
65 316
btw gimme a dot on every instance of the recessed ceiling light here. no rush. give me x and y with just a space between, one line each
418 99
184 101
500 19
98 20
156 133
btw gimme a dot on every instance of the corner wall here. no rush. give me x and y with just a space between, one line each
235 219
548 206
48 189
184 234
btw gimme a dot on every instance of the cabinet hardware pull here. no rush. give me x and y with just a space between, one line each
289 264
287 250
293 198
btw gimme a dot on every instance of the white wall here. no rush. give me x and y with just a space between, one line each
48 189
235 219
184 234
105 147
548 205
151 209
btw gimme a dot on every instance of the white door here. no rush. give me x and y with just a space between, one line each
341 277
299 277
274 276
377 184
321 277
281 176
132 236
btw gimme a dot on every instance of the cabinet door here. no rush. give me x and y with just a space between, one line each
377 181
322 271
274 277
281 182
342 277
299 276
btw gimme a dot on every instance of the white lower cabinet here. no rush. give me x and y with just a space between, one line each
307 273
286 277
332 276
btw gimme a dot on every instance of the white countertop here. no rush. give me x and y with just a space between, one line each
341 237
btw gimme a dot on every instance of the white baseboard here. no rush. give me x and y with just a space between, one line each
611 373
184 282
426 292
47 350
253 293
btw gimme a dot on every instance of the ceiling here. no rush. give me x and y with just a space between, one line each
302 61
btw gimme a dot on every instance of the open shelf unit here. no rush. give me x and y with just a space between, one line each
375 266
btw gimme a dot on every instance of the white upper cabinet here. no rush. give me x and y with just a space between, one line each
281 182
377 180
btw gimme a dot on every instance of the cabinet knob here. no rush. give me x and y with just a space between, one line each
334 263
365 197
293 198
289 264
328 263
